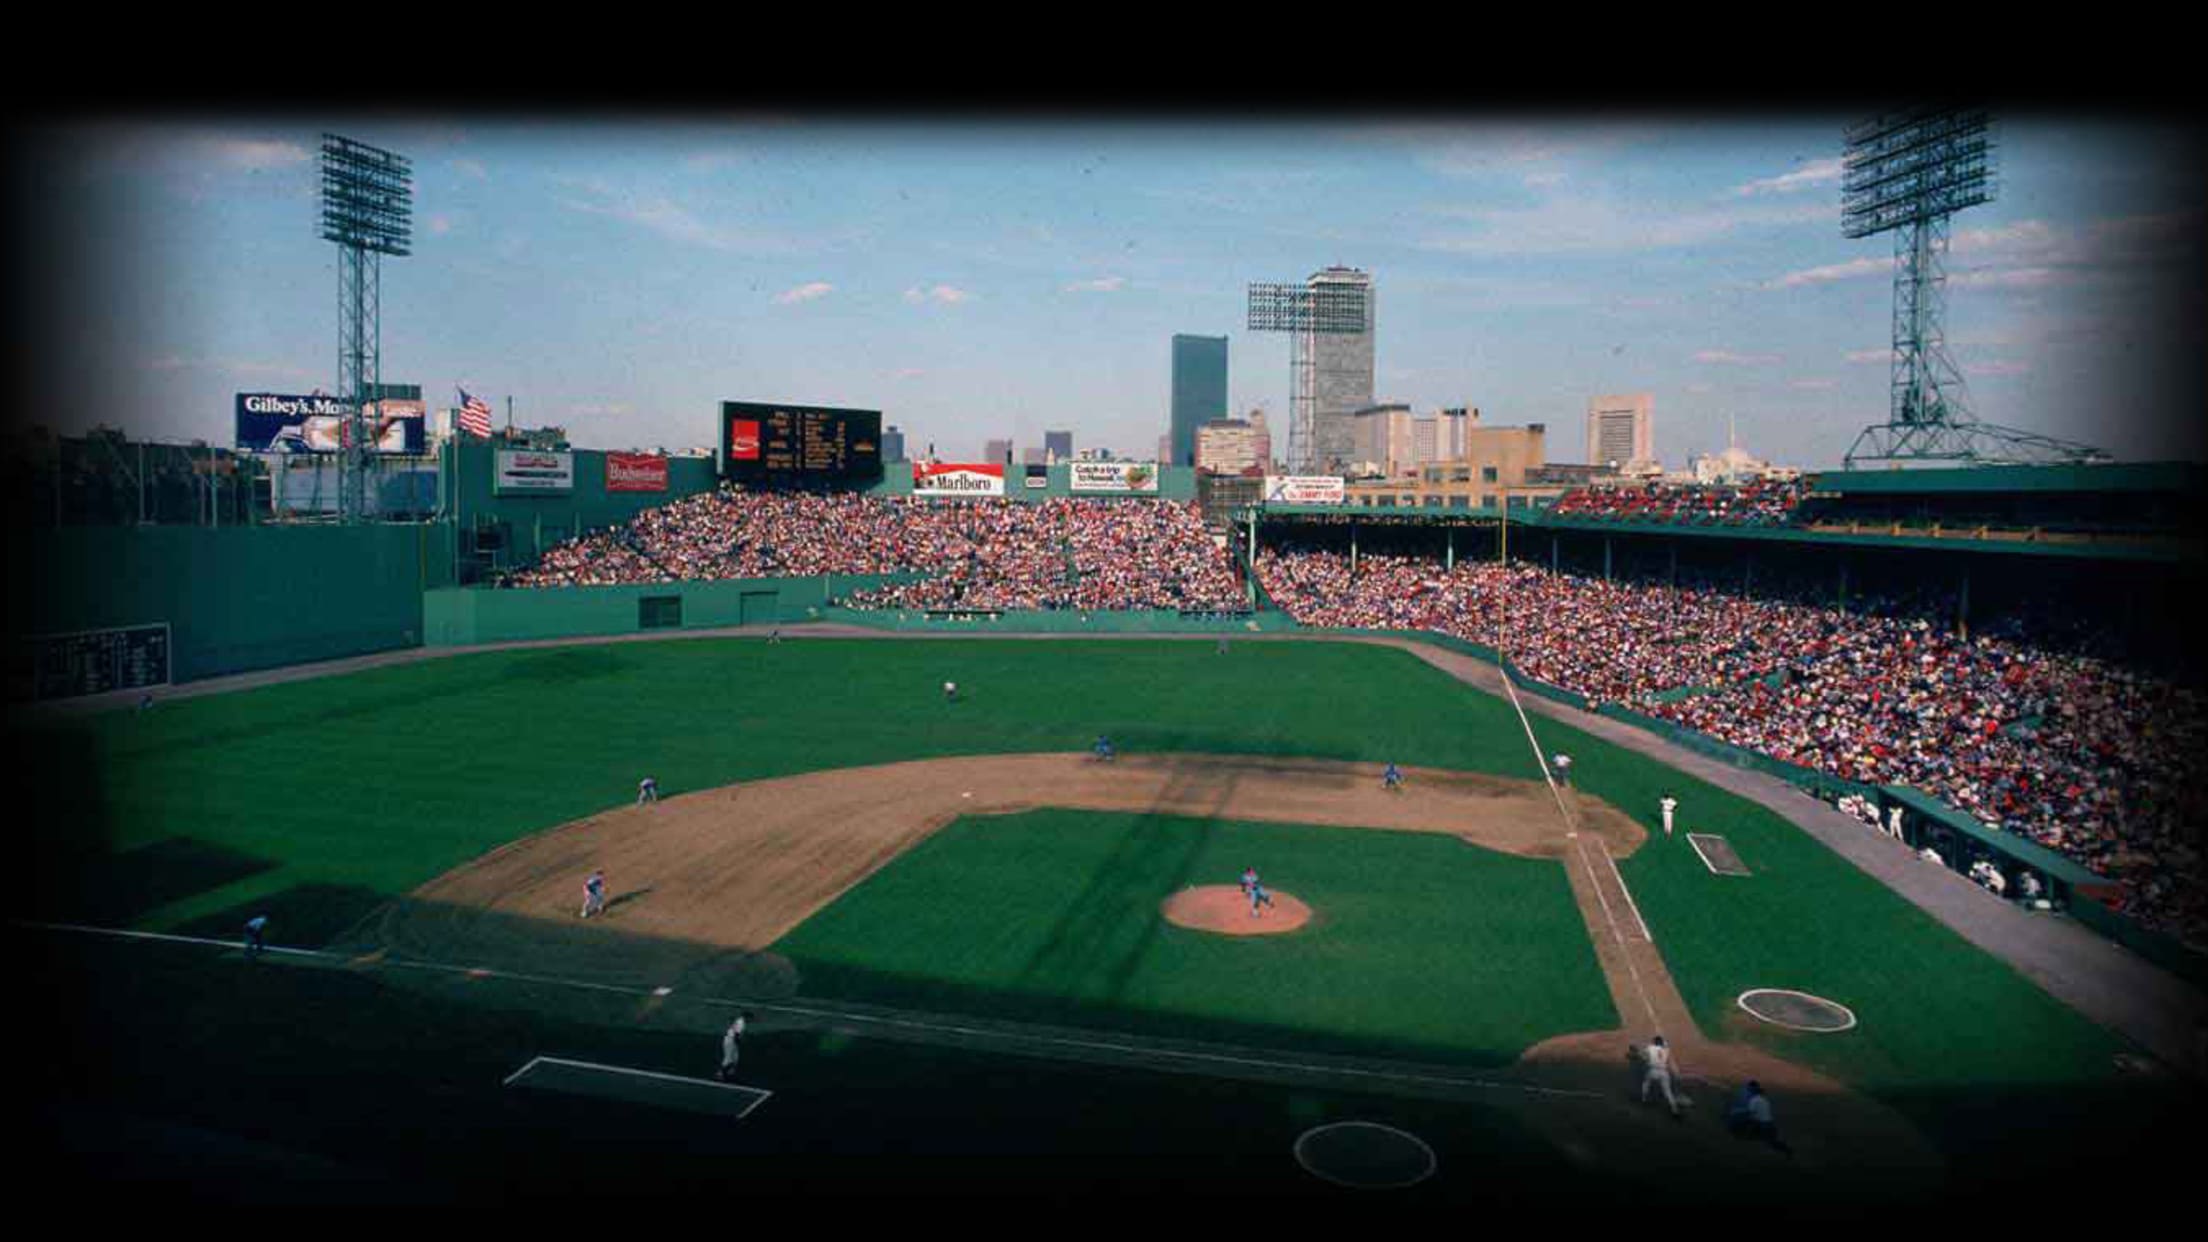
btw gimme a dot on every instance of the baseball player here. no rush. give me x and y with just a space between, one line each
1104 750
1893 821
647 790
1657 1058
255 927
1563 765
1222 646
145 703
1392 779
1258 897
1249 880
732 1044
1750 1117
1669 804
594 894
950 692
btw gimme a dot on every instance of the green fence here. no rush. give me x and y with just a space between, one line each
1065 622
236 599
465 616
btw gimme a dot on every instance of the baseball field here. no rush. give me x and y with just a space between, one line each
948 922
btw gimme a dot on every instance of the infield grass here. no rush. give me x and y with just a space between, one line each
1419 945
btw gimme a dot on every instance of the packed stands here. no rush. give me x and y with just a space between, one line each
2031 728
1765 502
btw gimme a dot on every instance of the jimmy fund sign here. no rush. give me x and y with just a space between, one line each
536 473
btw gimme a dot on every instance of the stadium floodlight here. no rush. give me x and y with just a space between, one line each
1305 311
368 210
1905 173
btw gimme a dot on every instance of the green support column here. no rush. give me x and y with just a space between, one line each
1449 561
1353 547
1962 609
1606 558
1840 596
1555 556
1674 564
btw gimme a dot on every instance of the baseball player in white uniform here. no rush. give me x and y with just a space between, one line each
731 1044
1893 821
1563 765
647 790
594 894
950 691
1669 804
1657 1058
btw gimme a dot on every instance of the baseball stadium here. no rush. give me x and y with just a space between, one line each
447 813
977 949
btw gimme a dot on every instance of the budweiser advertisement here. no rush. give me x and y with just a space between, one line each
636 472
957 478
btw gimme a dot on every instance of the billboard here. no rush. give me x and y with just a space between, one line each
1305 489
274 422
533 473
958 479
636 472
1038 478
769 443
1112 476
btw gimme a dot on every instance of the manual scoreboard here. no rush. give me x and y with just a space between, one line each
61 666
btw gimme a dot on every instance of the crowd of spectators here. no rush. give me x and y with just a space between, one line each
973 555
2038 735
1764 502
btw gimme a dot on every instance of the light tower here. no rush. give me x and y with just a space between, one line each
1327 377
1905 173
367 209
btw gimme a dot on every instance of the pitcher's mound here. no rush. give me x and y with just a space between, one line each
1222 908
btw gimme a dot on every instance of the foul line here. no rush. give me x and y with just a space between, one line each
1618 934
759 1095
1012 1037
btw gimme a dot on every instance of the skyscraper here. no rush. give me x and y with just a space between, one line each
1058 445
1340 367
1621 430
893 445
998 451
1199 391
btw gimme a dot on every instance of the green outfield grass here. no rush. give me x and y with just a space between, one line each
319 799
1420 945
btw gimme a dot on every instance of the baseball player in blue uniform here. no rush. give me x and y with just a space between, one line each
647 790
594 894
1392 778
1104 748
254 928
1258 897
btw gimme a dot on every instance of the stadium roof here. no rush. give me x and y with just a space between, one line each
2160 476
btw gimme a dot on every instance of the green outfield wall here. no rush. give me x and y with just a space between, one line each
465 616
236 599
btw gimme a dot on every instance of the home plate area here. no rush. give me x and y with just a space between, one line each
633 1086
1717 854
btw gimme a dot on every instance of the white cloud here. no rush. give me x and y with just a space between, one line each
1814 173
805 292
250 154
1592 223
1702 389
1871 355
440 225
662 215
906 373
1812 385
1999 368
1834 271
2010 278
473 168
1107 284
1729 358
940 293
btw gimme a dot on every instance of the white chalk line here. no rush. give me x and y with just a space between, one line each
1625 953
1004 1036
758 1095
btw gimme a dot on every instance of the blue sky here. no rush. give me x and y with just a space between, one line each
974 282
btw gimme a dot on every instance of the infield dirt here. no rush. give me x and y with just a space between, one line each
701 884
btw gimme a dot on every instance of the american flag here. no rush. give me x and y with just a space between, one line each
475 417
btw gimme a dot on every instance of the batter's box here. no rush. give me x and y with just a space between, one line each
1716 854
635 1086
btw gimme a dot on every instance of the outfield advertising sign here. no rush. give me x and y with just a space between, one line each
957 478
534 473
1305 489
636 472
1113 476
275 422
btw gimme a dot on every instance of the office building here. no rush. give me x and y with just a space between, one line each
1621 431
893 445
1057 446
1232 446
1338 382
997 451
1199 393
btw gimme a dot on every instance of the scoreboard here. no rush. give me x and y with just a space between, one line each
59 666
767 443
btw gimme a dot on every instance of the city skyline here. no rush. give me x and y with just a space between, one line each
976 284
